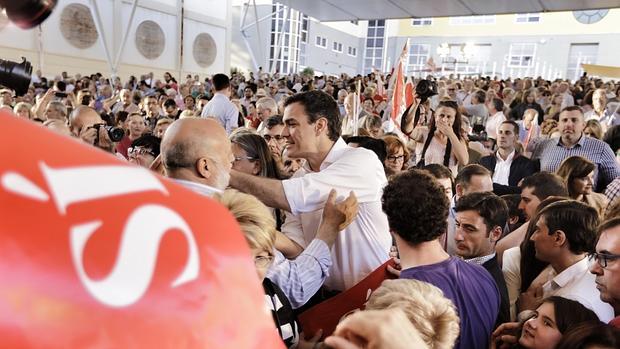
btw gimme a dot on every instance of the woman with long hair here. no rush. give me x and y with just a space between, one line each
578 174
442 140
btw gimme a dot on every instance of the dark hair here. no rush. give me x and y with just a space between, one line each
468 172
514 125
456 127
220 81
612 137
545 184
498 104
273 120
589 334
573 168
148 141
257 149
416 206
530 266
489 206
120 117
170 103
318 104
577 220
572 108
480 96
512 202
569 313
376 145
439 171
608 224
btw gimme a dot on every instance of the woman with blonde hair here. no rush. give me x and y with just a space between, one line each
593 129
397 155
23 110
578 174
432 314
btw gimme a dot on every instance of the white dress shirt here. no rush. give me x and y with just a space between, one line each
493 123
577 283
222 109
364 245
502 168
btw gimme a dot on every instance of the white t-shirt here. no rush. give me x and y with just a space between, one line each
364 245
493 123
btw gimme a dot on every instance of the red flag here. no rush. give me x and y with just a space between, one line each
97 253
409 92
397 84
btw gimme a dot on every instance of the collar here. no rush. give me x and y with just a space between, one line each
480 260
510 157
570 273
199 188
498 114
332 156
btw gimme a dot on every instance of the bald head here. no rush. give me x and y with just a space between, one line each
197 150
83 117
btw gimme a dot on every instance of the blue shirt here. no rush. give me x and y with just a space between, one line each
472 290
554 152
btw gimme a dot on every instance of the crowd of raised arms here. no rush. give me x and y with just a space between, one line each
498 200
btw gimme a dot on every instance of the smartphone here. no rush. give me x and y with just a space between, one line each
61 95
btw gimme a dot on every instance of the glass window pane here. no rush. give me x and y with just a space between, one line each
380 32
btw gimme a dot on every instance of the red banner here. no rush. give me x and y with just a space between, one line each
326 315
96 253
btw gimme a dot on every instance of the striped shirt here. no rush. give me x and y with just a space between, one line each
553 152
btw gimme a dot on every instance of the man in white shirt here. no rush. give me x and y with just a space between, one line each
220 107
496 112
266 107
567 97
600 112
312 130
565 233
507 166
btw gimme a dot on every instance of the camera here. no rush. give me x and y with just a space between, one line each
425 89
28 14
115 133
60 95
15 75
478 137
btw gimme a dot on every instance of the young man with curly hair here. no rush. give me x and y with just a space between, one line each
417 210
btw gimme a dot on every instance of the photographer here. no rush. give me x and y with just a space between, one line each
88 126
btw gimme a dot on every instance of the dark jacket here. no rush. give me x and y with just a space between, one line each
520 168
492 266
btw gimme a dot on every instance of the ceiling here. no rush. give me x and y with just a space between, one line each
348 10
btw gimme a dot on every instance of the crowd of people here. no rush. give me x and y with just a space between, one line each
497 199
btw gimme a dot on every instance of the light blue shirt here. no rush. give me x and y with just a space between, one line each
222 109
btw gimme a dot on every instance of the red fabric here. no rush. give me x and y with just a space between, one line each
615 322
97 253
123 146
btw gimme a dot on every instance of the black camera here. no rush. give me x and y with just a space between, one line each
16 76
425 89
28 14
115 133
478 137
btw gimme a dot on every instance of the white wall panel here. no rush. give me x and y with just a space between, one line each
192 29
212 8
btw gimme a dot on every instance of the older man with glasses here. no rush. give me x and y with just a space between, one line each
605 264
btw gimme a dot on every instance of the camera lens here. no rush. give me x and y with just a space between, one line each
115 133
16 75
27 14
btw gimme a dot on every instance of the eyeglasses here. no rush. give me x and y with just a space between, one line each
269 138
249 158
135 151
262 261
396 158
603 258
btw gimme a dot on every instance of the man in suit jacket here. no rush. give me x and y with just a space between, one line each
507 165
480 221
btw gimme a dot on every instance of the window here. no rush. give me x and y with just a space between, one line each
578 54
472 20
418 22
321 42
375 39
527 17
288 40
352 51
418 56
337 47
521 55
